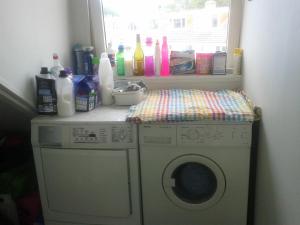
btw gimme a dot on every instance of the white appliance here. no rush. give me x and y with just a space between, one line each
88 168
195 173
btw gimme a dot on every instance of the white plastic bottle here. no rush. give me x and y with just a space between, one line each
157 59
112 58
57 67
106 80
65 95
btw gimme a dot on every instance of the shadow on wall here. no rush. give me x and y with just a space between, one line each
265 183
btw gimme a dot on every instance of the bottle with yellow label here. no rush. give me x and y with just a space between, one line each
138 68
237 61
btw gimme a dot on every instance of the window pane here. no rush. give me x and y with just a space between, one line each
201 25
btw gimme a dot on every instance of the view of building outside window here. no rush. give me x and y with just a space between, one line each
201 25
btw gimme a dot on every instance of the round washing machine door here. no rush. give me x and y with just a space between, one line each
193 182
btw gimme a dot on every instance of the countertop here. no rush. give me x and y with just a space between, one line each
100 114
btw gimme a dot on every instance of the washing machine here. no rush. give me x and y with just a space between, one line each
88 168
195 173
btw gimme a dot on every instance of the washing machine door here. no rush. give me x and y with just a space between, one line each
193 182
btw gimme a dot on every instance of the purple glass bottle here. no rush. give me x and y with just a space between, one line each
149 58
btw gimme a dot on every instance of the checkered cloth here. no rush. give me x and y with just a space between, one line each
178 105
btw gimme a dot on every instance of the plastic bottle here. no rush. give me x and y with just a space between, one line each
87 60
46 93
106 80
165 70
120 61
112 57
65 95
128 62
95 62
157 58
138 58
57 67
237 61
149 58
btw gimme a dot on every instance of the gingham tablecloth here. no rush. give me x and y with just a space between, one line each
177 105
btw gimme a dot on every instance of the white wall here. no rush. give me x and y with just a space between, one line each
30 31
270 38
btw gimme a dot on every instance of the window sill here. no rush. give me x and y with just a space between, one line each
205 82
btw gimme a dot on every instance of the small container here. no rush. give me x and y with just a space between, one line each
129 97
204 63
219 63
182 62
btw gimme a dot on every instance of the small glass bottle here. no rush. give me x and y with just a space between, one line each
157 58
149 59
120 61
128 61
165 70
138 58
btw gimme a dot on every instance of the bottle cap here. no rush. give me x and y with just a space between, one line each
149 41
68 71
104 55
88 48
138 38
165 39
95 60
44 70
63 74
238 51
121 48
55 56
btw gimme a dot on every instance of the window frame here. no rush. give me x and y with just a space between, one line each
98 36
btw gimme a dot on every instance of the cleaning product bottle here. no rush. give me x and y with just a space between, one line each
120 61
65 95
46 93
57 67
87 59
165 70
149 59
157 58
128 62
138 58
106 80
95 62
112 57
237 61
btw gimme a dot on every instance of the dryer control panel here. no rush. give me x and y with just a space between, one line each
122 134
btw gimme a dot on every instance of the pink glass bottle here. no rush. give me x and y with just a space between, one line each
149 58
165 69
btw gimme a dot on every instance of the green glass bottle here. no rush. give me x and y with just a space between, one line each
120 61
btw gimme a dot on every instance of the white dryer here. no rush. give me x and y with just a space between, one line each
195 173
87 168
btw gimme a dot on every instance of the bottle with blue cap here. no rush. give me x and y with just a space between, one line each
120 61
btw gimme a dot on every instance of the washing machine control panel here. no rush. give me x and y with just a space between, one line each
106 135
225 135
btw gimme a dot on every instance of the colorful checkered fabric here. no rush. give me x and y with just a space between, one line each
178 105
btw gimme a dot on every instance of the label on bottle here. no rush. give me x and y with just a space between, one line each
139 67
112 59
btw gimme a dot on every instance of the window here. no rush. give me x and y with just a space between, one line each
202 25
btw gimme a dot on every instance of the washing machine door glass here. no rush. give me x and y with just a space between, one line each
194 182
